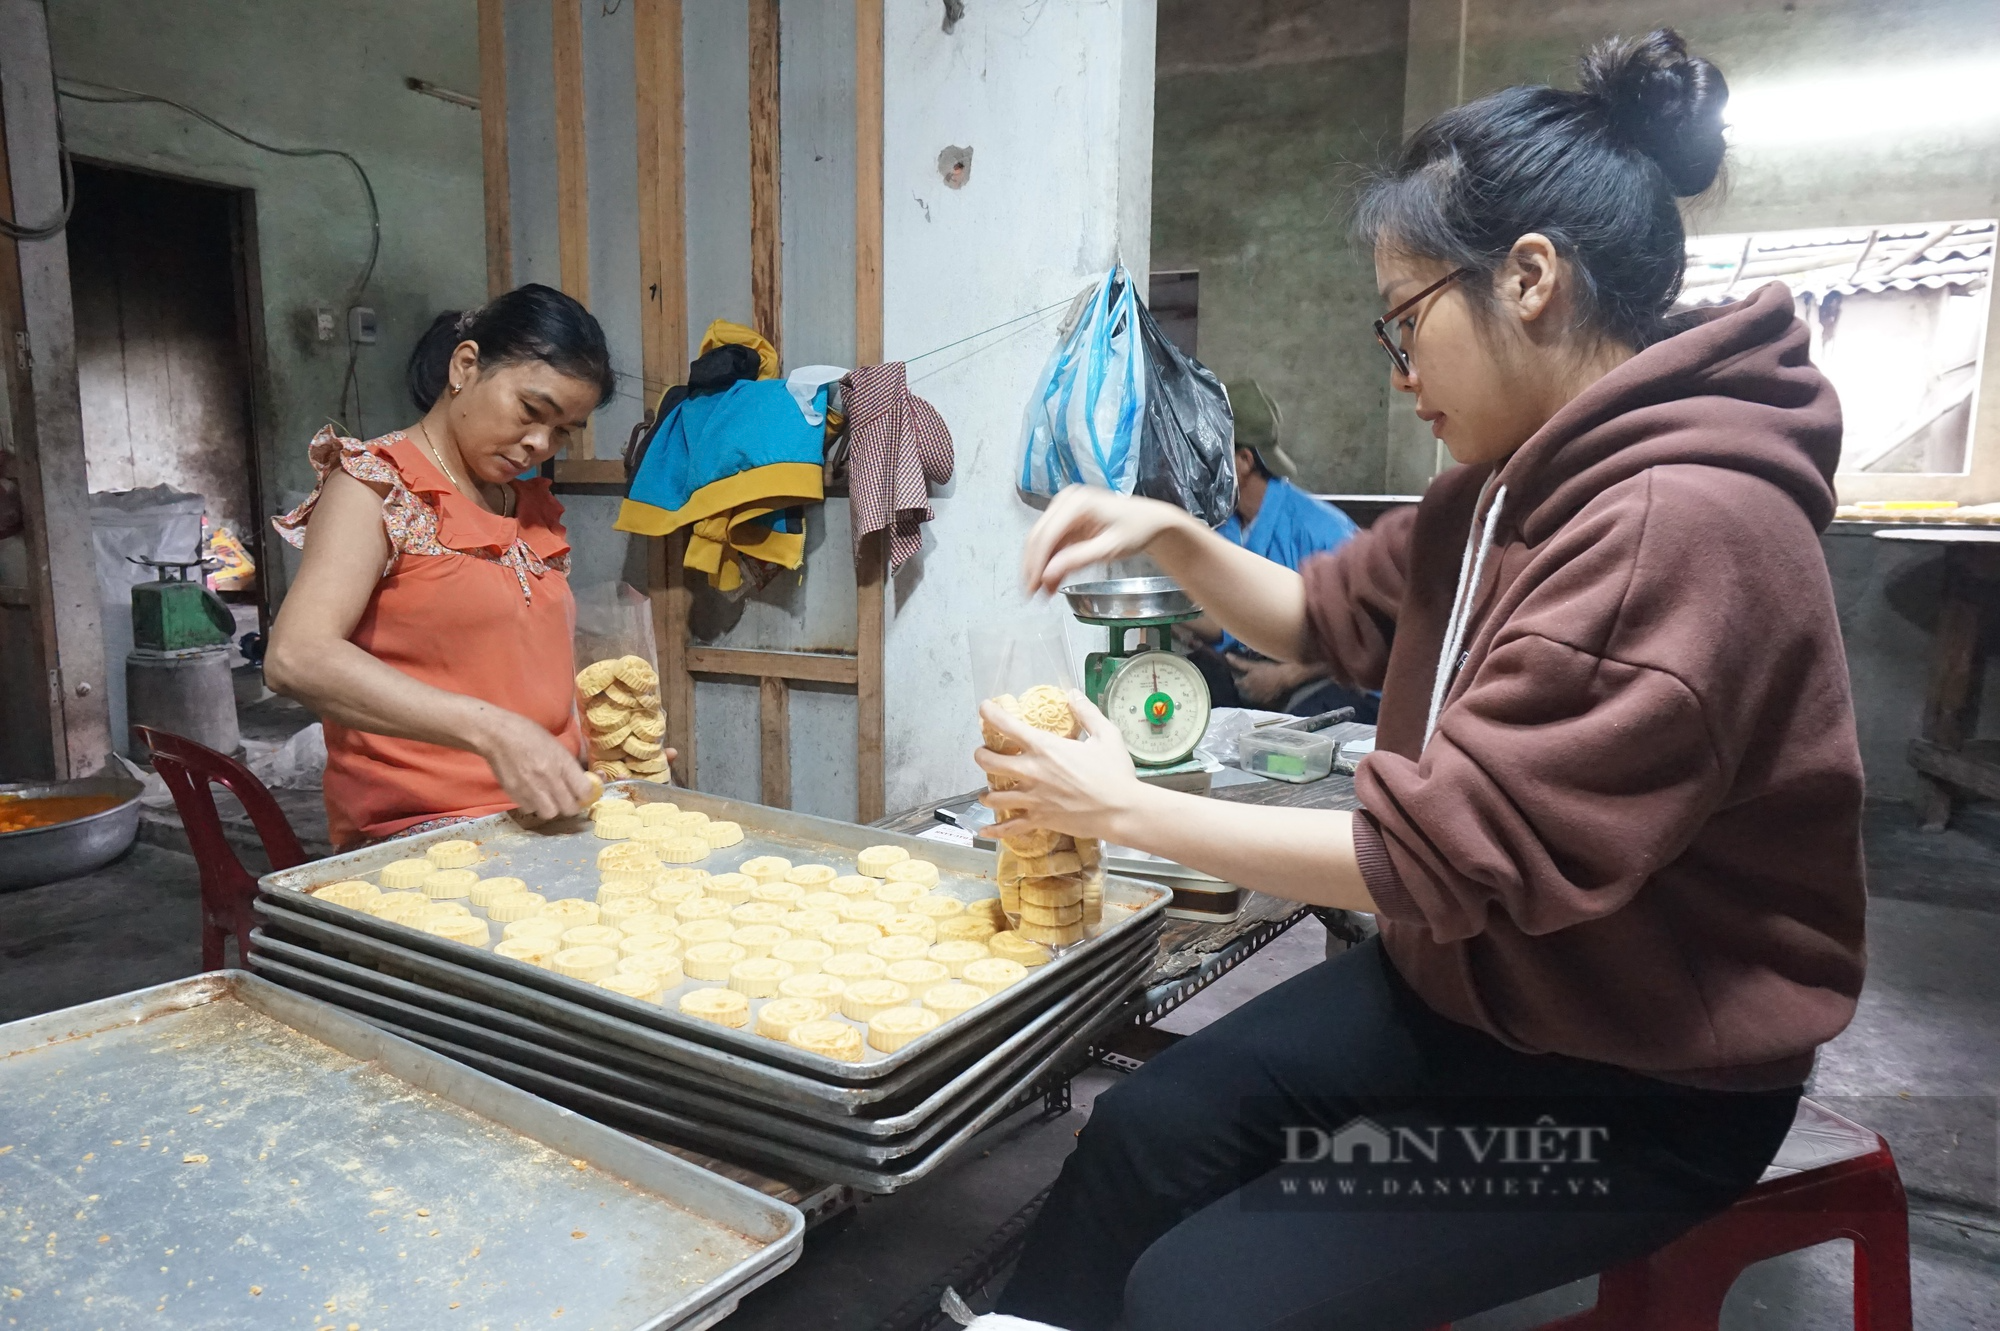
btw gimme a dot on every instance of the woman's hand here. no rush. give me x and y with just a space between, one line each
538 773
1065 785
1087 525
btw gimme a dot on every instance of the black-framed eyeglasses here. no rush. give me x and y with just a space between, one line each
1393 345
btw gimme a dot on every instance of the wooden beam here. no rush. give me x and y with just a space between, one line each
672 600
493 145
40 343
870 719
572 155
766 240
572 173
590 471
867 182
871 791
1973 768
774 726
818 667
657 68
38 754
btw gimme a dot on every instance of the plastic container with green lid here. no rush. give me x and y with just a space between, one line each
1286 755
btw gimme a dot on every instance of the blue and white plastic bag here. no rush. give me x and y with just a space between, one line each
1087 412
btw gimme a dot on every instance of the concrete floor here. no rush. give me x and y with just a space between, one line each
1921 1064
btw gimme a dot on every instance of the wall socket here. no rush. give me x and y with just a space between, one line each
323 323
361 325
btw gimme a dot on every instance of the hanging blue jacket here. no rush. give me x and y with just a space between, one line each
729 464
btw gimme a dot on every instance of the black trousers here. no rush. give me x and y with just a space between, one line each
1335 1154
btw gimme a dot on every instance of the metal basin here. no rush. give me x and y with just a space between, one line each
1130 598
38 855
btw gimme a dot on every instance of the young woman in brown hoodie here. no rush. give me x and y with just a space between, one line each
1611 829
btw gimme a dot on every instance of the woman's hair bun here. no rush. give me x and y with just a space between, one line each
1664 102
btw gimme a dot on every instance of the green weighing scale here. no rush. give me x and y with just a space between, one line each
176 613
1156 697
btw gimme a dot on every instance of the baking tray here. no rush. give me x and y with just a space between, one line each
559 860
884 1138
427 982
718 1140
220 1151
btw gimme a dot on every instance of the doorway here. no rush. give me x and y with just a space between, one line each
160 273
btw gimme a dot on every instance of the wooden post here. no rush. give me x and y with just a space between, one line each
493 145
657 64
572 171
774 717
766 242
672 599
657 68
870 727
41 346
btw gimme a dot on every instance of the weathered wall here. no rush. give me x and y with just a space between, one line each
1887 593
1267 115
1056 103
1934 173
322 75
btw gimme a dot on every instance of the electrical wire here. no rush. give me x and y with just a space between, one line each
67 87
110 94
16 231
655 387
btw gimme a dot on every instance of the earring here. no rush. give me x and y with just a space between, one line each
454 390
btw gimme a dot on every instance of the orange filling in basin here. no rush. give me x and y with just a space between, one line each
18 814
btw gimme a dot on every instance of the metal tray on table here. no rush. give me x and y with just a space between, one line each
617 1110
426 982
872 1141
559 860
378 1179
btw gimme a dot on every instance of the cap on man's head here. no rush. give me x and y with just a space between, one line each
1257 419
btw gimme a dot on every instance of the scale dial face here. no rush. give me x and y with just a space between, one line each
1160 703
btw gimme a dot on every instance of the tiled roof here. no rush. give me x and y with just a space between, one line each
1840 259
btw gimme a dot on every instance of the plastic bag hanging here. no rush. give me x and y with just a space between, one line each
1187 455
1086 415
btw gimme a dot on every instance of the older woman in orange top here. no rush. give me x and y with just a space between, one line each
431 620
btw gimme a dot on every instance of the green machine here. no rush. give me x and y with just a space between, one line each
1156 697
177 676
174 613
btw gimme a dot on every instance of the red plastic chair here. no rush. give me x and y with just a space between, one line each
227 888
1833 1179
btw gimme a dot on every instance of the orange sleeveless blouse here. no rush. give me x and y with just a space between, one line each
470 602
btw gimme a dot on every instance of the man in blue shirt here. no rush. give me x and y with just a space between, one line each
1278 520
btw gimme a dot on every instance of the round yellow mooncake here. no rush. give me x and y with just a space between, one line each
724 1007
776 1018
832 1039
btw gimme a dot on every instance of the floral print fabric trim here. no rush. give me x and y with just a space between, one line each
412 523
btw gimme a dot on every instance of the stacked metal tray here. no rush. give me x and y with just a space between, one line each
876 1124
382 1183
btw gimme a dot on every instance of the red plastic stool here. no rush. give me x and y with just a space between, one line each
227 888
1833 1179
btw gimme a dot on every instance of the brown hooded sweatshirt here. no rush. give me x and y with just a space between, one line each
1634 834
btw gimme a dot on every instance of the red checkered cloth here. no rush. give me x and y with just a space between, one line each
898 447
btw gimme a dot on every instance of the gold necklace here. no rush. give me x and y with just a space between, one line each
506 492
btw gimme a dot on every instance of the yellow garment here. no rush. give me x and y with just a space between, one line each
723 333
724 463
